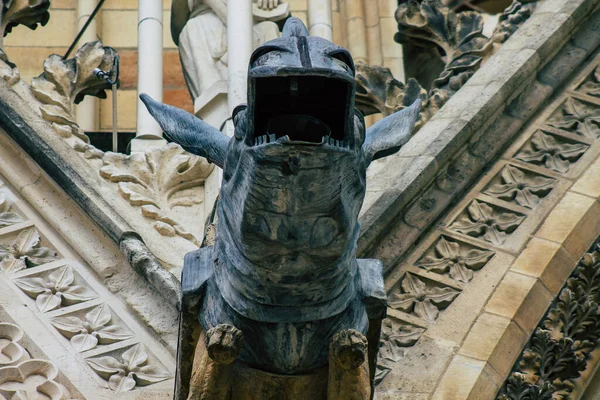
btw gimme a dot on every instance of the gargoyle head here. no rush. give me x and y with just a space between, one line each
294 172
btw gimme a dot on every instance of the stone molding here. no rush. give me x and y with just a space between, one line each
66 317
452 148
475 336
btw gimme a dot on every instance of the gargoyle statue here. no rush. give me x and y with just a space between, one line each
285 306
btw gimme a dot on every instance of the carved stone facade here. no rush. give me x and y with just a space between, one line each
484 220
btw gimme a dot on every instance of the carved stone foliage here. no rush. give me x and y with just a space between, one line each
96 326
11 350
31 379
578 117
458 41
420 298
396 337
25 251
8 216
54 289
455 258
510 20
8 70
458 37
487 222
158 181
377 91
551 151
22 12
563 341
520 187
591 86
64 83
128 370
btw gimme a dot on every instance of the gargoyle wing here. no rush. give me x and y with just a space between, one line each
386 136
185 129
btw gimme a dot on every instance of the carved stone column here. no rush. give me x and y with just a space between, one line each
150 73
319 18
87 110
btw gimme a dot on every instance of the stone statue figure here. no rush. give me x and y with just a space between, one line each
286 309
199 28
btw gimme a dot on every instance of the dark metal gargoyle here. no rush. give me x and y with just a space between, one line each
283 302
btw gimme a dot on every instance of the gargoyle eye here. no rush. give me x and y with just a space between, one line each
261 51
343 59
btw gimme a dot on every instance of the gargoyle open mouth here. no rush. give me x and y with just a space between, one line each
303 109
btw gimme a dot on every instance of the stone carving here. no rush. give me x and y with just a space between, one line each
24 252
130 369
93 328
11 351
64 83
284 258
395 338
8 70
423 300
377 91
158 181
578 117
199 28
54 289
431 25
592 85
511 19
31 379
7 216
22 12
525 189
551 152
564 339
456 259
491 223
455 38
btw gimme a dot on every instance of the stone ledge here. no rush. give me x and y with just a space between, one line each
523 296
499 83
75 177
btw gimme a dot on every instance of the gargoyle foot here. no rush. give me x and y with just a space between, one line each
348 372
215 352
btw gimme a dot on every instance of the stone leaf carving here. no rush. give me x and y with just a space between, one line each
564 340
8 70
55 289
578 117
483 220
31 379
10 349
25 252
524 189
377 91
64 83
551 152
456 260
459 37
420 299
157 181
133 368
511 19
22 12
7 217
95 328
592 85
395 338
